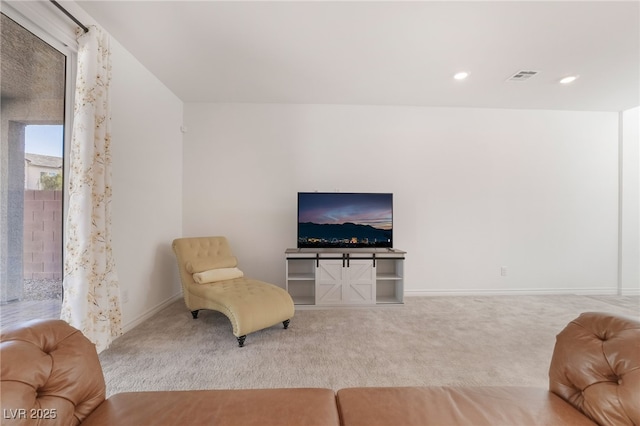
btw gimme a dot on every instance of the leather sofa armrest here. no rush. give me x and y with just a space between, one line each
596 367
50 374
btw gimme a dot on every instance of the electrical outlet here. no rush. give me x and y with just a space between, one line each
503 271
125 296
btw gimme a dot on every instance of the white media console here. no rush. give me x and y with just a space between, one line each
343 277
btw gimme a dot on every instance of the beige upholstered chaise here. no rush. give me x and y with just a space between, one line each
211 280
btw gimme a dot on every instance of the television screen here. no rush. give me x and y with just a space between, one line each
345 220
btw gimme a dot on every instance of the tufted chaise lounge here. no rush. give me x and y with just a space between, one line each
250 304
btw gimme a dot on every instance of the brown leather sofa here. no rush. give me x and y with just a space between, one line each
50 375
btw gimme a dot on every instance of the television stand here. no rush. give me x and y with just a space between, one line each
345 277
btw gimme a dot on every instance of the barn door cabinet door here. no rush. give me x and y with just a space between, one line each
345 282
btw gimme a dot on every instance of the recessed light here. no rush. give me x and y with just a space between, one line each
568 79
461 75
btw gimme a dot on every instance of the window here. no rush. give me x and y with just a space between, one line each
34 105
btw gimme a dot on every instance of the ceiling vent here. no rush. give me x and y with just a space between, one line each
522 75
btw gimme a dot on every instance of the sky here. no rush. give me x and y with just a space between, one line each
44 140
340 207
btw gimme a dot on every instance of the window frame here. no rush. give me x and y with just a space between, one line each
45 21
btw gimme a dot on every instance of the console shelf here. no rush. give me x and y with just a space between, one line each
345 277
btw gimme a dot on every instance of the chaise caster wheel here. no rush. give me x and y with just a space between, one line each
286 324
194 314
241 340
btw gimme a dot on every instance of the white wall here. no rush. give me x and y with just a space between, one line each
474 189
630 208
147 186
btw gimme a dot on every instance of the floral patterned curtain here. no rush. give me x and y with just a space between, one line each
91 300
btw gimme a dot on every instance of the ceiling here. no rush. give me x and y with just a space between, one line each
386 52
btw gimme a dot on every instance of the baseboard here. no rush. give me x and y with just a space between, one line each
512 292
149 313
630 292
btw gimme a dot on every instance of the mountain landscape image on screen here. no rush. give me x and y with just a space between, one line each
345 220
342 235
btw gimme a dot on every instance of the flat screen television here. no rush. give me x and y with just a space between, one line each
345 220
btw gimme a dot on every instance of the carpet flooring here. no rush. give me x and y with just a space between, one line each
442 340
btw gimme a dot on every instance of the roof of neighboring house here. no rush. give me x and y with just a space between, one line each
43 160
